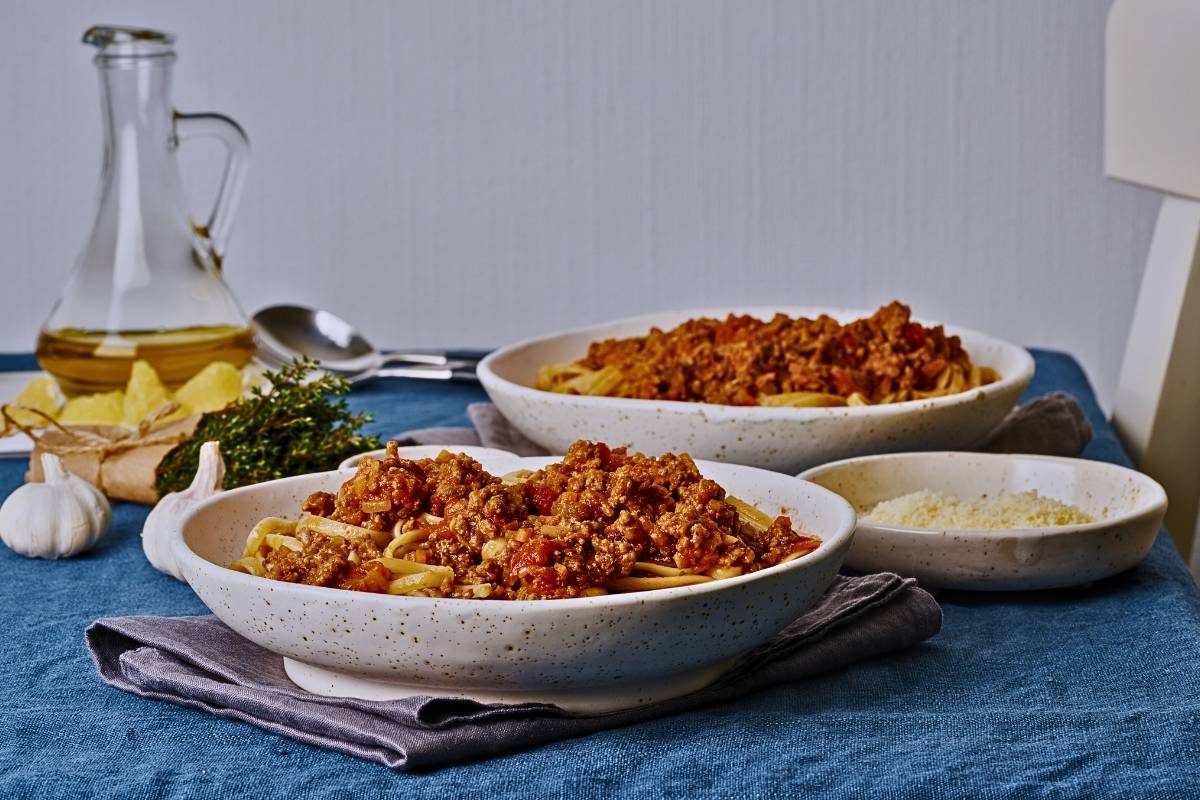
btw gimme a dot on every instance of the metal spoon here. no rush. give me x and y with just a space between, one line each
284 332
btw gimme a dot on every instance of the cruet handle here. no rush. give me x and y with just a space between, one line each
237 150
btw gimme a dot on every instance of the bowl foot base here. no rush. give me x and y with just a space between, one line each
613 697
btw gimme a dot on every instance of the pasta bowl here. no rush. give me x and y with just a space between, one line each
587 654
782 439
1127 508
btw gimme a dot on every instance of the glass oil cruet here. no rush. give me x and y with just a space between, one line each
147 284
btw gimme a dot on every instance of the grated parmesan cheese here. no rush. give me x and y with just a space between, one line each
926 509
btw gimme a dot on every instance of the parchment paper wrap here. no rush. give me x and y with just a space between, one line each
118 461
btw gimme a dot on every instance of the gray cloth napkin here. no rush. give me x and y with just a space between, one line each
1052 425
200 663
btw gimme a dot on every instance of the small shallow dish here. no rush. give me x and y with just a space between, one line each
590 654
1128 508
781 439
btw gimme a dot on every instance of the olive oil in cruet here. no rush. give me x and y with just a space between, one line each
147 284
91 361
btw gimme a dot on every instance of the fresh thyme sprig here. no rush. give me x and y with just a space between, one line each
288 428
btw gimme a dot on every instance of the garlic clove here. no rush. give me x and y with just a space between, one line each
163 521
74 523
29 523
91 499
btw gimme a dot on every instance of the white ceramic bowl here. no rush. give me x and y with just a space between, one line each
782 439
1128 508
586 654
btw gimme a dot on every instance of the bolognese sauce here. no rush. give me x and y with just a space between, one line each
744 361
603 519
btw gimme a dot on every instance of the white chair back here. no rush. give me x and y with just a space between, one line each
1152 139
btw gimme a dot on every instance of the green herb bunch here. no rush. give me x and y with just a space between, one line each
293 426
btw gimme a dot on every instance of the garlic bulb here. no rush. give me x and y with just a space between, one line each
60 517
165 517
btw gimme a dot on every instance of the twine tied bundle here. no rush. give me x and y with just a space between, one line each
121 462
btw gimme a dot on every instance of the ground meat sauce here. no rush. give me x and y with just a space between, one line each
567 530
741 359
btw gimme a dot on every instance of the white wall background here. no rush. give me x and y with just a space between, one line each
470 172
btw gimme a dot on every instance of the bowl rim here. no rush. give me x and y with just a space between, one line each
1155 505
845 526
490 378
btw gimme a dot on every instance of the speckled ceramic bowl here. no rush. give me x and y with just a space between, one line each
586 654
783 439
1128 508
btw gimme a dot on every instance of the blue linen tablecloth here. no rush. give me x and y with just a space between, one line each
1080 693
